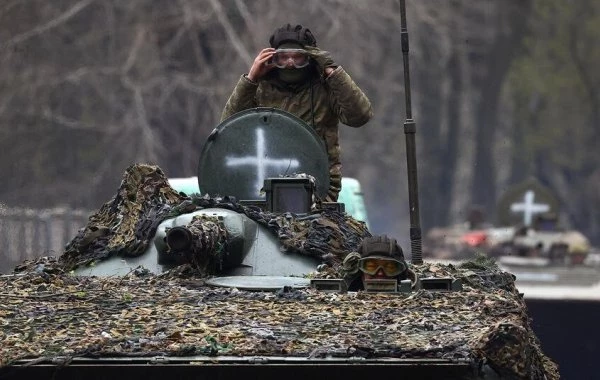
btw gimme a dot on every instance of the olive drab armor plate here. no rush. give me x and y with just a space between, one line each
256 144
523 202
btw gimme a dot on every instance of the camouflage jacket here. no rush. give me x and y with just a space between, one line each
335 99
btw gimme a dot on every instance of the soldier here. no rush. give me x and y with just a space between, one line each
378 258
294 75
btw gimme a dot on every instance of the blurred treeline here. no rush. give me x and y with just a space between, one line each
502 90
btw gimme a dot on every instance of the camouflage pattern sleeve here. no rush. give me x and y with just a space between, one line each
350 104
242 98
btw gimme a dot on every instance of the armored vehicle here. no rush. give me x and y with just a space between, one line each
159 283
257 277
527 232
532 211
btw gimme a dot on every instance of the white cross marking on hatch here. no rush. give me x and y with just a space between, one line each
528 207
261 161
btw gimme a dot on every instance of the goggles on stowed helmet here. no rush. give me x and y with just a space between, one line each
297 57
372 264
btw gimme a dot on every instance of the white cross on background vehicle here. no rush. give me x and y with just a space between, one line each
261 161
528 207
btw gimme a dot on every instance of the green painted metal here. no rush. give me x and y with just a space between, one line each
528 195
353 199
187 185
256 144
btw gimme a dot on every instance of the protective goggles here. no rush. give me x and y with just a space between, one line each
296 57
372 264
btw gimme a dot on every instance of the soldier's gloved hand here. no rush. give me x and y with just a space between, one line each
322 58
261 66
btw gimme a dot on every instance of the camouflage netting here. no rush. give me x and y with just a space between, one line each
208 244
48 313
125 225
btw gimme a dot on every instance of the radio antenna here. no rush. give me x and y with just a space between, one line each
410 130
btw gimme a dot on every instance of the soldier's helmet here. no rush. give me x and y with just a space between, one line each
292 34
381 252
381 246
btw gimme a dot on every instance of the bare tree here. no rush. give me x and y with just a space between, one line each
89 87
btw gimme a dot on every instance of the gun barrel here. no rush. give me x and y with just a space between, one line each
179 239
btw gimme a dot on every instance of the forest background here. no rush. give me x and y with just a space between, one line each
503 90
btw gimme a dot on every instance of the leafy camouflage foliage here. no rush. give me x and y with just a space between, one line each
125 225
49 314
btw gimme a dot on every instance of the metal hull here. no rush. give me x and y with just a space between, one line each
248 367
